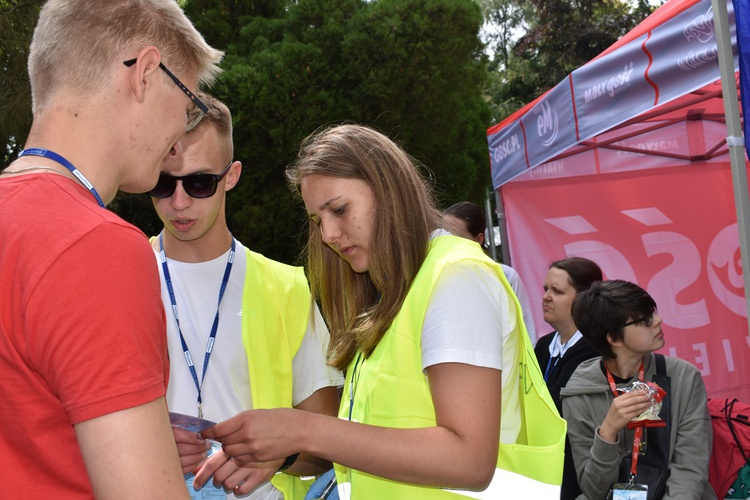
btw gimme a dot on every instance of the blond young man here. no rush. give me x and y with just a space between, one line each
266 348
83 365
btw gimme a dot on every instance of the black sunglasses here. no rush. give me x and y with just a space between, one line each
196 114
200 185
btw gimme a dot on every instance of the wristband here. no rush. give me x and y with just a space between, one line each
288 462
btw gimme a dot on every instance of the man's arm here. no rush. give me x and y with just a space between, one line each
132 454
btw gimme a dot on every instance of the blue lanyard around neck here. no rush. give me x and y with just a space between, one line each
551 367
46 153
214 328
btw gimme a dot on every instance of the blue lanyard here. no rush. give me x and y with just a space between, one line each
46 153
550 366
214 328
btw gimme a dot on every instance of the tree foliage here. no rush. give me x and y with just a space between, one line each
558 37
17 20
415 69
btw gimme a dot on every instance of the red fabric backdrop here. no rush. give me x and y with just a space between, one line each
673 231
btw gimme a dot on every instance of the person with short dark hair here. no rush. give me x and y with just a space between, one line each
470 219
467 220
619 319
560 352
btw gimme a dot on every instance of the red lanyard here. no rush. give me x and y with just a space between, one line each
638 430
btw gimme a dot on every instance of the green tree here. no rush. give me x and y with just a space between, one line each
504 22
421 69
559 36
17 20
414 69
281 82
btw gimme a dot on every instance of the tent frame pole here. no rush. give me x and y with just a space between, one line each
735 141
490 227
502 226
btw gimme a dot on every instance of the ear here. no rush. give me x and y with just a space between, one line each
141 76
479 238
233 176
612 342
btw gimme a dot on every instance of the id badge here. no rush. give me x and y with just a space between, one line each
208 492
193 424
626 491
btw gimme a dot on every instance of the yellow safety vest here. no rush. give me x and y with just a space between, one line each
275 312
391 390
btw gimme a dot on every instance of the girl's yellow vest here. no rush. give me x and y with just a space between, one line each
391 390
275 311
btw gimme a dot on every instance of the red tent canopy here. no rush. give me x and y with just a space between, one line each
625 162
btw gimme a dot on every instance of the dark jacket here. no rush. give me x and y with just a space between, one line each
558 378
587 399
574 356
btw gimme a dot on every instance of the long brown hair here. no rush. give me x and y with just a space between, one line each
359 307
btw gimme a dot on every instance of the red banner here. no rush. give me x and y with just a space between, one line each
673 231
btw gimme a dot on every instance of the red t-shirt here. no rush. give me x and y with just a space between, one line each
82 329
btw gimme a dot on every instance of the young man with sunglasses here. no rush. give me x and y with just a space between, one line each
83 366
243 319
619 320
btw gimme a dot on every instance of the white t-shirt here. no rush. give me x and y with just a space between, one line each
226 387
523 298
469 320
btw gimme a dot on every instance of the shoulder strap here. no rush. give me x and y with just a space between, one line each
728 412
660 436
661 365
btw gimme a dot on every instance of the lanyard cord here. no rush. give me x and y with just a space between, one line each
354 381
556 346
46 153
551 367
353 384
214 327
638 434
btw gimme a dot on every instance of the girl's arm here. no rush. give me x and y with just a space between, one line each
459 452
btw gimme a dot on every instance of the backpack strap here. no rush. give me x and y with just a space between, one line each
728 412
659 436
661 365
